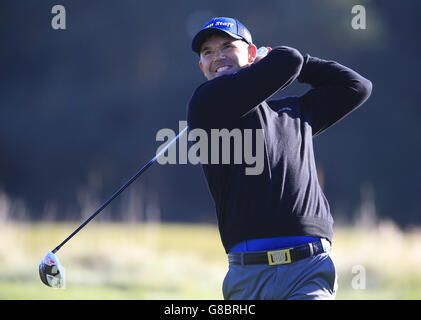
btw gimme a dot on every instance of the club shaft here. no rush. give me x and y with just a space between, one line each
119 191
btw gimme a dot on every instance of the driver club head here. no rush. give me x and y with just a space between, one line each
51 271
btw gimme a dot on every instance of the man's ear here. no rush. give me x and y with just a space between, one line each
252 53
201 65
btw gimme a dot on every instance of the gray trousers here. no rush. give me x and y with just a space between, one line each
312 278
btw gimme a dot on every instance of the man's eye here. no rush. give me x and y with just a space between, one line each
207 52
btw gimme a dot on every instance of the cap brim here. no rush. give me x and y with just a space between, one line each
200 37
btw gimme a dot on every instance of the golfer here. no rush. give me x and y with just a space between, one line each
276 227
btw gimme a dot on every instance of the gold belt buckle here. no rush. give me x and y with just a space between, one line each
279 257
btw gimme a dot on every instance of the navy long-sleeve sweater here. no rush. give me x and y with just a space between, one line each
286 198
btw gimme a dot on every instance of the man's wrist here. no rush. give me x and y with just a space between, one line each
301 77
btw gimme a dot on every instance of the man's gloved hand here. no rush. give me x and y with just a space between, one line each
261 53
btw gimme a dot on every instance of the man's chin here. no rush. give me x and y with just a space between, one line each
223 73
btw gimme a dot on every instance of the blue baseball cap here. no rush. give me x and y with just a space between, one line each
230 26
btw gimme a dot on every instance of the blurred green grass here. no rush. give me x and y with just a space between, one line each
182 261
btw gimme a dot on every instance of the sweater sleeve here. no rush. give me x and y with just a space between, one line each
229 97
337 91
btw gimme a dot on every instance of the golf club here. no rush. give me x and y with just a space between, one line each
51 271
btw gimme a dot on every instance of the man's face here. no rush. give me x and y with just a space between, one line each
222 54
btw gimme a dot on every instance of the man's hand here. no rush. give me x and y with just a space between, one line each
261 53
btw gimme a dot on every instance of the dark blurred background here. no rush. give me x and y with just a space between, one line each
80 108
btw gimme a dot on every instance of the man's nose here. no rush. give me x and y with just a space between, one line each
219 54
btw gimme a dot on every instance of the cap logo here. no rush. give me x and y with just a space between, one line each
225 24
219 23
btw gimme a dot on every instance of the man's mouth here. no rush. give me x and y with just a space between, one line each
221 69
